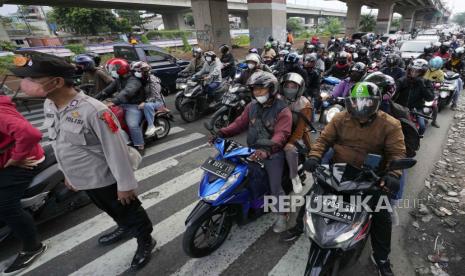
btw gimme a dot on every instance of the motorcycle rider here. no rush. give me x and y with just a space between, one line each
457 65
392 45
362 56
195 64
392 67
90 149
291 65
363 129
211 73
130 96
443 51
268 54
292 88
92 75
434 72
377 53
229 64
320 54
356 73
267 117
339 70
21 159
312 88
253 65
427 53
153 98
413 90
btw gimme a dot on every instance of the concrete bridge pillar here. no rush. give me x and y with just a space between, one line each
244 21
174 21
383 22
353 16
266 17
211 22
408 19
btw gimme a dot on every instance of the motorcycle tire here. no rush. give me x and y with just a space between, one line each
189 243
165 91
218 121
165 123
177 103
188 112
441 105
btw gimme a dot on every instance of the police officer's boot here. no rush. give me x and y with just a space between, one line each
145 245
120 233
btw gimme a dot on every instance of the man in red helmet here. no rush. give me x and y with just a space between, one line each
130 96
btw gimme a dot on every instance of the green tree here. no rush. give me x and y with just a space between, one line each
189 19
333 26
459 18
87 21
395 24
134 17
367 23
294 24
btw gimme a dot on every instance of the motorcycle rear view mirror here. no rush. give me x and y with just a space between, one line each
208 125
401 164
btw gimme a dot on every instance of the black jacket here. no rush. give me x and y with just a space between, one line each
313 84
338 71
395 72
364 59
414 93
230 69
130 91
296 68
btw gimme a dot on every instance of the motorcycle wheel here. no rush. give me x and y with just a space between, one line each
203 237
441 105
219 121
165 91
162 122
177 103
188 112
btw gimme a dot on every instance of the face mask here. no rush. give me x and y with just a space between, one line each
251 66
290 93
262 99
208 59
34 89
138 75
114 74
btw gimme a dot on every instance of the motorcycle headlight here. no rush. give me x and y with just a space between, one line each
230 181
426 110
181 86
331 113
444 94
324 95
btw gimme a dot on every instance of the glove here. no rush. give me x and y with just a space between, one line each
212 138
312 163
260 155
391 184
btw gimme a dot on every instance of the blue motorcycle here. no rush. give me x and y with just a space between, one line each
227 194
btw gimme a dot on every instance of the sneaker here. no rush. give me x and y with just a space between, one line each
280 224
383 266
23 260
296 185
150 131
291 234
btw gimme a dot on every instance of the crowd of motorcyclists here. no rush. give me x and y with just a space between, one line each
381 92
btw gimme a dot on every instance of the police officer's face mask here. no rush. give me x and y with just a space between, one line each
36 89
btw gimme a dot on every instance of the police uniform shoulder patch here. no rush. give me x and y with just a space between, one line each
109 119
73 103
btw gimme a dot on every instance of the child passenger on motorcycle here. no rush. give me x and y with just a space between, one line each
267 117
153 98
292 88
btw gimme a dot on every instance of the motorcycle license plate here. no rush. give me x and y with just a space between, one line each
219 168
329 207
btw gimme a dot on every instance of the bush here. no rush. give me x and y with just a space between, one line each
76 48
144 39
5 63
185 42
241 40
7 46
333 26
294 24
104 58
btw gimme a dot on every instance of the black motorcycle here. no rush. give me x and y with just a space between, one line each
338 229
233 103
47 197
195 100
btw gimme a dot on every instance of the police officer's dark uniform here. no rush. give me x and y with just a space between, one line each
92 153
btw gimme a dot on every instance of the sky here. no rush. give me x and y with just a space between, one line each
455 5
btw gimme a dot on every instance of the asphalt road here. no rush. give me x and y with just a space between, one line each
168 181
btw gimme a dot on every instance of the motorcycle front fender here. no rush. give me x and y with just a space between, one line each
166 115
320 260
200 211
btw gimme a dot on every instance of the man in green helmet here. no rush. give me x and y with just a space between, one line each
364 129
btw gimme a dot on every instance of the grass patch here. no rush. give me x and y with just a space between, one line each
241 41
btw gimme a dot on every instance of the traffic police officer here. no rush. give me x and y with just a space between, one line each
90 149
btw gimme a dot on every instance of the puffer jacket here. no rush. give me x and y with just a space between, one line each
343 88
414 93
352 142
213 70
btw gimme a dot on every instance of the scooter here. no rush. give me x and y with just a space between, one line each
233 103
226 195
47 197
196 102
338 230
447 89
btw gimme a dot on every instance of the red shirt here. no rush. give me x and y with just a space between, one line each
15 128
443 56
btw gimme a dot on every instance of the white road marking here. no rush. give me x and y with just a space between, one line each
119 259
239 240
294 261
